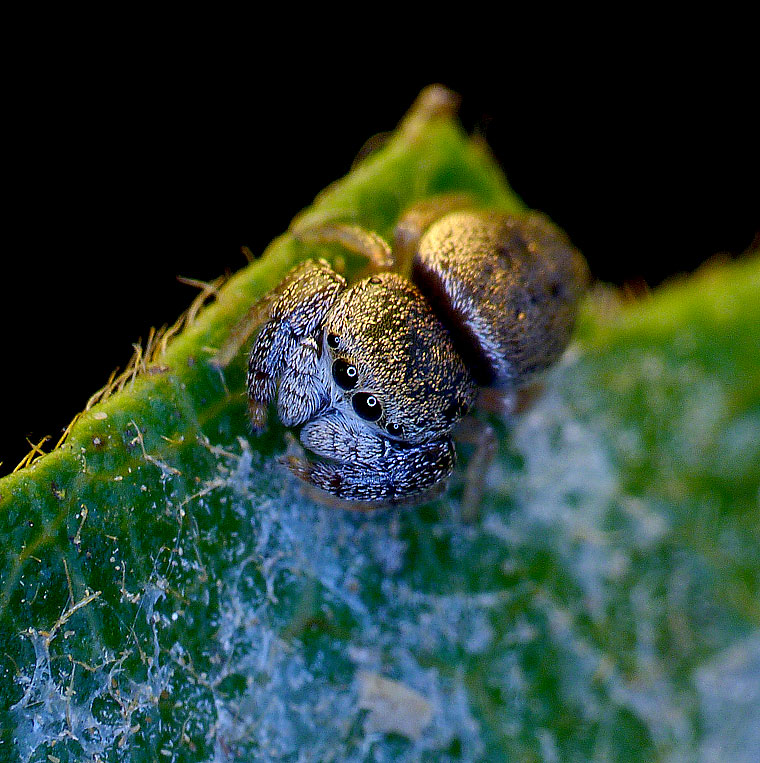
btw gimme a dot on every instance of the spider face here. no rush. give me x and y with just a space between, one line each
392 365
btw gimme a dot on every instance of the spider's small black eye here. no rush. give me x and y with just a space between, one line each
333 341
367 406
456 410
344 373
395 429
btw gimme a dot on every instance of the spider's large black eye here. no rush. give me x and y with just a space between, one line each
333 341
344 373
367 406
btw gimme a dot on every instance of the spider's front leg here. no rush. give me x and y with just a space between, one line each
287 346
382 256
368 470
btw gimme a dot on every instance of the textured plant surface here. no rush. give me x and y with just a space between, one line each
166 593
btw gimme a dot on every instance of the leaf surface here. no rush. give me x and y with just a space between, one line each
166 592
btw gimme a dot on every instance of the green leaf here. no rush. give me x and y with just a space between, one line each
167 593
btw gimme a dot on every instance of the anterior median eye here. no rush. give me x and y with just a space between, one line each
345 374
367 406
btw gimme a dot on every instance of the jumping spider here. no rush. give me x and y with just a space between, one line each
378 374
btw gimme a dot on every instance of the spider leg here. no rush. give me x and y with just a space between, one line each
405 475
295 317
417 218
483 437
354 238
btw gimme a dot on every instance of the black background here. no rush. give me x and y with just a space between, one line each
123 177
